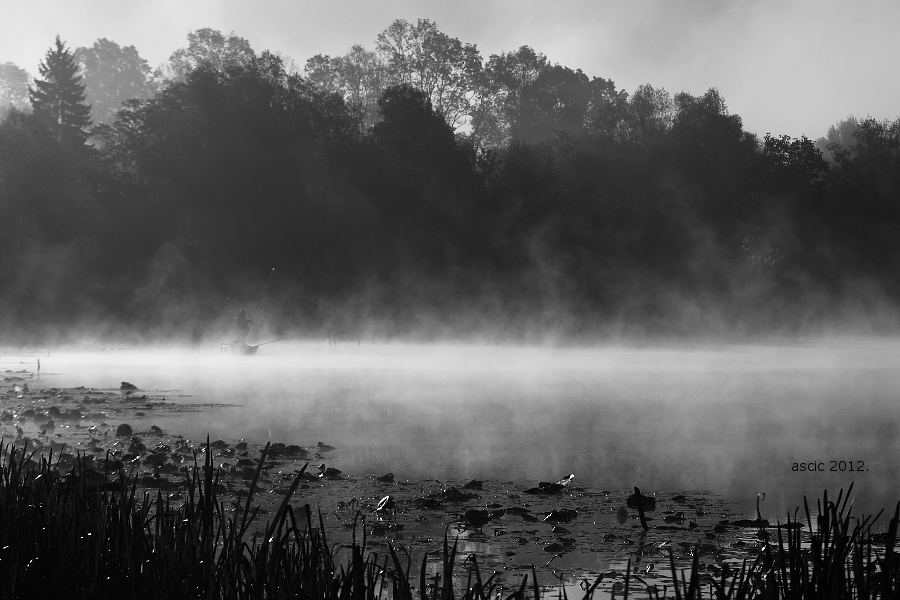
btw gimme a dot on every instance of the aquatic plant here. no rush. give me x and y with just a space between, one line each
85 534
837 560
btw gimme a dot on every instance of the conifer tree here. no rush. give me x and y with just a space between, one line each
58 99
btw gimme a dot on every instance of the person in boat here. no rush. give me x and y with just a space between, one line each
242 328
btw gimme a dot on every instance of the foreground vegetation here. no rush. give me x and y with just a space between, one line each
86 534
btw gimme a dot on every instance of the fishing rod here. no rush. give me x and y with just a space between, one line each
262 294
290 337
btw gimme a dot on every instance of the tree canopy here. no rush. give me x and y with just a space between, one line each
415 189
14 83
112 75
206 47
58 98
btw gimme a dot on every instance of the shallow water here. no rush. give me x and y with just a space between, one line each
727 419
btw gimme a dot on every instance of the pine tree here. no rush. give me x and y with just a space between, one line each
59 98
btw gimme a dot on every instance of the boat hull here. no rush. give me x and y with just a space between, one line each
245 349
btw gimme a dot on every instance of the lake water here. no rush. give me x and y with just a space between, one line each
730 419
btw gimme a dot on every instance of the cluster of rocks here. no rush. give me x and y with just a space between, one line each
551 517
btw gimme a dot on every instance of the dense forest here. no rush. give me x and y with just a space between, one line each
420 191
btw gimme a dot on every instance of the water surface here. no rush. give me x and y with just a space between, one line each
730 419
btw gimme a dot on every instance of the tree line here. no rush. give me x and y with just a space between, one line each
419 190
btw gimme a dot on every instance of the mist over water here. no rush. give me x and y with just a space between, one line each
730 419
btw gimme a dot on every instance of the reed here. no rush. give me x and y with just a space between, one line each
87 534
837 560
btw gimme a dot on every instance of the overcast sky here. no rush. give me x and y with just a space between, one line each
786 66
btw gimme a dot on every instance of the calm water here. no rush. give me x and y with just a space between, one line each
728 419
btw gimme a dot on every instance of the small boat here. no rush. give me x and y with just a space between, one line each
246 349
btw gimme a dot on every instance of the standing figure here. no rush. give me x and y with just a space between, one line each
242 328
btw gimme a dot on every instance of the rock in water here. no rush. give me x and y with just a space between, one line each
517 510
545 487
156 459
329 473
477 518
295 451
123 430
137 445
127 386
454 495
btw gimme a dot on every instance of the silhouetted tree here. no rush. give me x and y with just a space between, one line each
592 209
867 173
437 189
112 74
516 70
233 165
444 68
411 127
58 98
796 162
208 47
648 118
842 133
510 73
448 71
13 88
559 100
360 76
51 227
710 141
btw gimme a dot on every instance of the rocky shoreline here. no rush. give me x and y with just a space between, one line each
566 531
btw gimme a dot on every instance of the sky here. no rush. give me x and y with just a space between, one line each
786 66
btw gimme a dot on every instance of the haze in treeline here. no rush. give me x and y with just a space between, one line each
418 189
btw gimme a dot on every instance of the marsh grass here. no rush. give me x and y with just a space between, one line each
85 534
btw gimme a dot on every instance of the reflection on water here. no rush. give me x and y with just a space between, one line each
729 419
